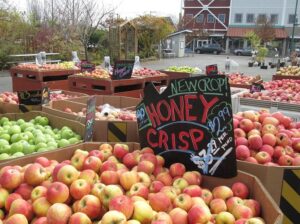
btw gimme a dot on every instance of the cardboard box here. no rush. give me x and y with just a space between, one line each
121 131
116 101
283 184
14 108
54 121
270 211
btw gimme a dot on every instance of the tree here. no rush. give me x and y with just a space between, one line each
151 30
254 40
264 30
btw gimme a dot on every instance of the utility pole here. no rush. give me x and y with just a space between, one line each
294 26
73 12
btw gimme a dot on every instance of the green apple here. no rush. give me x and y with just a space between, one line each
29 135
41 120
3 142
15 138
57 136
16 147
3 120
63 143
26 125
52 144
67 133
39 139
20 121
40 145
42 150
4 156
5 137
29 149
73 141
18 154
14 129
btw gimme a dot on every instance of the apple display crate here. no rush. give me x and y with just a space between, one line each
245 86
291 110
235 93
26 79
157 80
127 87
280 77
178 75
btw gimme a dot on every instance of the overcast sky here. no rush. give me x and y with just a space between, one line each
131 8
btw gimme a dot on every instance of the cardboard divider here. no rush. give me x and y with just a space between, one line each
270 211
54 121
116 101
283 184
101 128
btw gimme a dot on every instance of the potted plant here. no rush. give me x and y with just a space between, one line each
261 55
255 41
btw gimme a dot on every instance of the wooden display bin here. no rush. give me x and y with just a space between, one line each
270 211
26 79
280 77
126 87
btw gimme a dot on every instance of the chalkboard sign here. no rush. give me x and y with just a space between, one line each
212 69
90 118
87 66
191 122
34 97
123 69
256 87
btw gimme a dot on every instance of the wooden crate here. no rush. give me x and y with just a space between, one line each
245 86
127 87
280 77
25 79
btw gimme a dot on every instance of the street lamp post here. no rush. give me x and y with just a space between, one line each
294 25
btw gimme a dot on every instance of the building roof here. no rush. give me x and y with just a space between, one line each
180 32
280 33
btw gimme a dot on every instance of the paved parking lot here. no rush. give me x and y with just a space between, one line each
195 60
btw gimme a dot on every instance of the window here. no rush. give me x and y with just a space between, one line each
210 18
250 18
200 18
262 18
222 17
291 19
238 18
274 18
189 16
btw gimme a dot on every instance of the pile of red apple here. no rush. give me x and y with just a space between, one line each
268 139
12 98
116 186
111 114
146 72
239 78
60 66
286 90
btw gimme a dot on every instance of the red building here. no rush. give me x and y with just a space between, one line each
208 19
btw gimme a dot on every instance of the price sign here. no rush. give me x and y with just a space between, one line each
191 122
34 97
256 87
90 118
212 69
87 66
123 69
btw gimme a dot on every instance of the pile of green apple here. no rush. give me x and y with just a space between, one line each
185 69
18 138
111 185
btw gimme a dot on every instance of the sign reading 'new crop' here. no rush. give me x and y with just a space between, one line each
191 123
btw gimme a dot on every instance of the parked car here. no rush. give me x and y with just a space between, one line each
209 48
244 51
